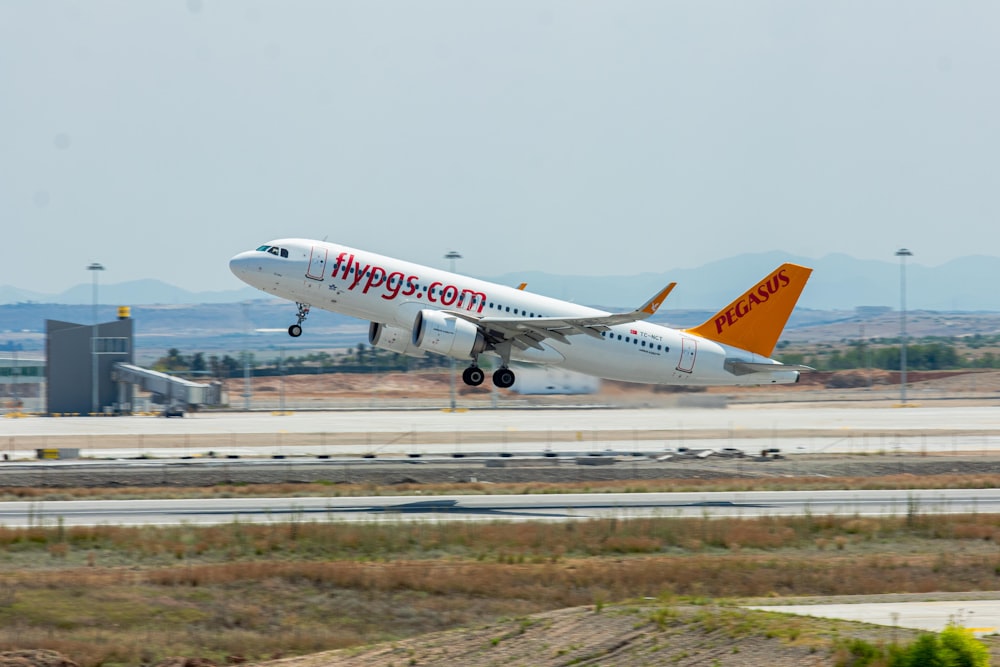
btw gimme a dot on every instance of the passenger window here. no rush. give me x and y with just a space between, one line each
619 336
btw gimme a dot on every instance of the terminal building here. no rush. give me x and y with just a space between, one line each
89 370
80 359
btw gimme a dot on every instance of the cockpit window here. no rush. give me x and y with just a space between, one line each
274 250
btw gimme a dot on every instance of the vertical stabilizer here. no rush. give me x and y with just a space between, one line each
754 321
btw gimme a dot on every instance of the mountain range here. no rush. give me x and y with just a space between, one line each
839 282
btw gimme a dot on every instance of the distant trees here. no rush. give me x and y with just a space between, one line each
932 355
196 364
359 359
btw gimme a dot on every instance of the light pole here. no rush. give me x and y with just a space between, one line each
95 268
452 256
902 253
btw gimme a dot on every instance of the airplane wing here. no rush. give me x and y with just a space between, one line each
525 332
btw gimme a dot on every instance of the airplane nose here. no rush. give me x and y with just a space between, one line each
240 265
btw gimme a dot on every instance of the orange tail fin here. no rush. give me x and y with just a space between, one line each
754 321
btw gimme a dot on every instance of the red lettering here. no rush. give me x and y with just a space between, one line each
756 296
336 267
430 291
375 279
393 284
448 295
411 285
359 273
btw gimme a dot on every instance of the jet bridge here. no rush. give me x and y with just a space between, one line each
175 394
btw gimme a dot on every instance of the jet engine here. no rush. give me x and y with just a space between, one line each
436 331
393 339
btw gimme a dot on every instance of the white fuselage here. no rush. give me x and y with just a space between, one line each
392 292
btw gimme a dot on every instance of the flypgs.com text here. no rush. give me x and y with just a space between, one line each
756 296
391 285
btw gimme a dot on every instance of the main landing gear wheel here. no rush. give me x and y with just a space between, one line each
473 376
503 378
300 316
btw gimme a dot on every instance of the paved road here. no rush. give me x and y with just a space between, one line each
791 428
756 418
980 616
512 507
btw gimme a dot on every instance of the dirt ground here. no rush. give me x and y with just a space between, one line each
637 635
627 636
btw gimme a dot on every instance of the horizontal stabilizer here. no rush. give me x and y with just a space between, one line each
737 367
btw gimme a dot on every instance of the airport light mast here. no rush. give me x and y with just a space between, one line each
452 256
902 253
95 268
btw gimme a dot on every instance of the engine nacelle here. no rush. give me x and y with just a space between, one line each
393 339
437 331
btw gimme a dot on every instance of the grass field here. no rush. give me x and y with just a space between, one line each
127 596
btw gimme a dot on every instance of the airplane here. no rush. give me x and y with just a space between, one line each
414 309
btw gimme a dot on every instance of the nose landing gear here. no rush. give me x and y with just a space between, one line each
303 311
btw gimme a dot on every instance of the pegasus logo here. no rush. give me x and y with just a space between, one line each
754 297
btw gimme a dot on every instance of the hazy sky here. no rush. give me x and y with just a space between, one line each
160 138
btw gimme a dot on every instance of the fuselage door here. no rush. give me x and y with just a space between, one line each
317 263
689 350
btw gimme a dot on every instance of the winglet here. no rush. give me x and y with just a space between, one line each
754 321
522 286
650 307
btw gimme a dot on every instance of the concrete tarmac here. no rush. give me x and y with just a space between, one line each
980 616
792 428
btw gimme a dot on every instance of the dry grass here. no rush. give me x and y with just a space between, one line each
319 489
116 595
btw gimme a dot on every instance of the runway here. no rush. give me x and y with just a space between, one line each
795 429
980 616
531 507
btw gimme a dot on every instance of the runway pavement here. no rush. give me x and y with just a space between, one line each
980 616
529 507
793 428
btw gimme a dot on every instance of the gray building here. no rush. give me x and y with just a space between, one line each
79 360
21 382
